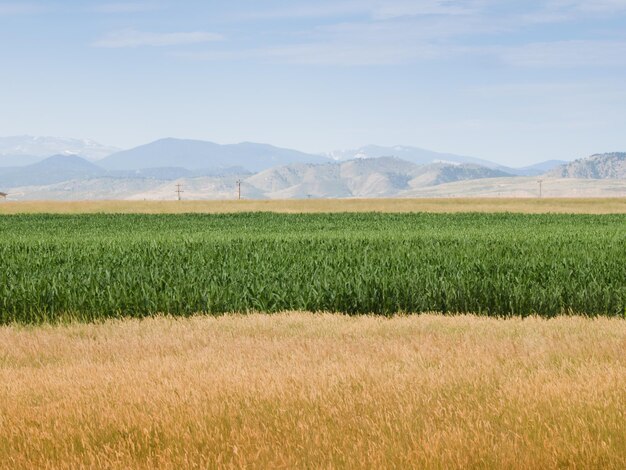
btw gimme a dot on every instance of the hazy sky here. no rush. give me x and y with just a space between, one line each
514 81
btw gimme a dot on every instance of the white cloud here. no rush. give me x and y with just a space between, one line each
26 8
396 9
402 31
20 8
556 11
557 93
132 38
354 44
594 6
329 54
126 7
375 9
567 54
382 42
548 55
347 54
316 10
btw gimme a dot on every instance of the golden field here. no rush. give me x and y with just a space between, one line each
528 205
310 390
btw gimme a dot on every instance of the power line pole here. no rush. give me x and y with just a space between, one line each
540 188
179 191
238 190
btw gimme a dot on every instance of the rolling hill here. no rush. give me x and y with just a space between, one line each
538 168
440 173
210 171
364 177
522 187
55 169
421 156
598 166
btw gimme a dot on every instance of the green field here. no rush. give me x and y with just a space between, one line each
99 266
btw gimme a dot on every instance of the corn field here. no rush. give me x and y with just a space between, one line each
90 267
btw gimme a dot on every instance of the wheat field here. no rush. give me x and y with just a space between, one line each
298 390
525 205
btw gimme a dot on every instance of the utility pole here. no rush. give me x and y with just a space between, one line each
540 188
179 191
238 190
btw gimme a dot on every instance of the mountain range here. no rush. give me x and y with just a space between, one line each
25 150
209 170
598 166
421 156
197 154
415 155
51 170
363 177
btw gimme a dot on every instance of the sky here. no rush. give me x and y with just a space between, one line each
512 81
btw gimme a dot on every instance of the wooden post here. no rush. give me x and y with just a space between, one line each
179 191
238 190
540 188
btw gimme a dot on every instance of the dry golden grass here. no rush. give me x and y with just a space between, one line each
302 390
563 205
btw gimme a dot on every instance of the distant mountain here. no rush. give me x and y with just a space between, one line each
599 166
365 177
210 171
424 157
18 160
538 168
25 149
300 181
440 173
173 173
523 187
200 155
415 155
92 189
371 177
377 177
61 168
51 170
73 178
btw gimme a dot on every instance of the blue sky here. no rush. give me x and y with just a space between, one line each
512 81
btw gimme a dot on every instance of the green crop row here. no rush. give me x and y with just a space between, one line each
100 266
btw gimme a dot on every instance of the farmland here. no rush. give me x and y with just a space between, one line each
437 205
97 266
300 390
107 361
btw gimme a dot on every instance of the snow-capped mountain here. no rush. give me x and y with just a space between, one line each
422 156
25 149
415 155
